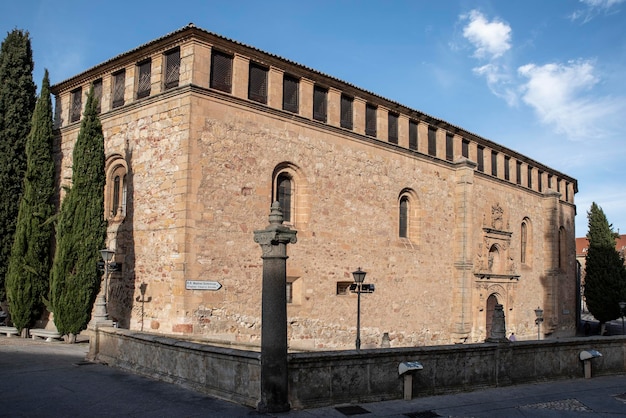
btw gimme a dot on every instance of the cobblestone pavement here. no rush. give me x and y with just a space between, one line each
52 379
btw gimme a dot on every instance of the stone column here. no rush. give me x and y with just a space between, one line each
274 373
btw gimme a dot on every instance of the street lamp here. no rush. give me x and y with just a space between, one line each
538 321
622 308
359 287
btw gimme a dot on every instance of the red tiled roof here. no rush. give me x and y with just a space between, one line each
583 243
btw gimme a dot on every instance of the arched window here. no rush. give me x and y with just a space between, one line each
283 195
523 242
116 189
404 217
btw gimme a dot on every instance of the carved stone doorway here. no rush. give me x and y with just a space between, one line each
492 301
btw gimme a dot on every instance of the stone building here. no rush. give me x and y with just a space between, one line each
203 133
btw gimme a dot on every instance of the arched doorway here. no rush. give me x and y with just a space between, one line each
492 301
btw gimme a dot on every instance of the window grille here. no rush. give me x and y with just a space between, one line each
143 85
257 83
370 120
412 135
507 163
97 94
221 71
481 159
172 68
392 128
119 80
432 141
291 86
404 217
319 103
284 195
346 111
449 147
76 105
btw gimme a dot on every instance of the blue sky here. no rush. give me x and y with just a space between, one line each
544 78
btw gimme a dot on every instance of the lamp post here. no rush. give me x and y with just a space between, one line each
359 287
538 321
622 308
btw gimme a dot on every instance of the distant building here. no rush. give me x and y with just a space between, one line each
203 133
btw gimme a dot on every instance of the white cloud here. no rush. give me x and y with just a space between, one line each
559 94
491 39
593 8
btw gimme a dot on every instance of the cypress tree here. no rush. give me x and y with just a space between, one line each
17 102
81 229
29 265
605 275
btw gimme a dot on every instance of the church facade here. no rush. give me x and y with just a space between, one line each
203 133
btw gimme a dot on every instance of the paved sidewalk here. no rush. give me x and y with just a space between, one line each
52 379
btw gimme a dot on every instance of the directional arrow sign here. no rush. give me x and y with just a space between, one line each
202 285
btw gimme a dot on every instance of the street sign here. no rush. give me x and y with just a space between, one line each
202 285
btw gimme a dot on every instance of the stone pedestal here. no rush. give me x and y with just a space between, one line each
274 373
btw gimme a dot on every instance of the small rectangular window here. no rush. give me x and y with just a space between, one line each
566 191
412 135
494 163
347 103
172 68
481 158
257 83
518 172
291 86
119 85
530 177
507 170
432 141
392 128
465 148
370 120
221 71
77 105
320 102
449 147
539 181
549 181
343 288
289 291
143 83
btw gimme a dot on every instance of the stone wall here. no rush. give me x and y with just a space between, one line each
330 378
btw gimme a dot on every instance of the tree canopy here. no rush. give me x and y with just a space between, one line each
81 229
605 275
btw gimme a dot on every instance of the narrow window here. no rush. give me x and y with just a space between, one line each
172 68
494 163
518 172
539 182
284 195
370 120
549 181
465 148
404 217
143 84
412 135
530 177
481 158
507 169
76 104
116 195
449 147
289 289
119 81
566 191
221 71
97 94
320 99
291 86
392 128
558 185
257 83
432 141
346 111
523 242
